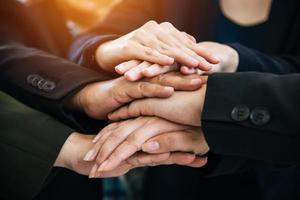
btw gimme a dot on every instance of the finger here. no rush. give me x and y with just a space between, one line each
198 162
190 140
179 158
139 159
178 81
135 109
173 48
152 56
126 66
98 141
136 72
191 44
175 141
143 159
190 37
187 46
140 90
187 71
156 69
205 54
93 171
134 142
117 137
202 63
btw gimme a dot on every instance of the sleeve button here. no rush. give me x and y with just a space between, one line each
240 113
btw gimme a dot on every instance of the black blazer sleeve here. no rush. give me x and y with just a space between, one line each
254 60
40 80
29 144
37 78
253 116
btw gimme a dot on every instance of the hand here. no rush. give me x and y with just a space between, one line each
118 141
228 58
182 107
190 140
99 99
155 43
76 146
136 70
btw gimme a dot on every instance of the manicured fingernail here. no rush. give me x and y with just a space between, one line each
150 146
148 72
130 76
169 60
89 155
120 68
196 81
93 171
102 166
169 89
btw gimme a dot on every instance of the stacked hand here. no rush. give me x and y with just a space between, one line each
160 121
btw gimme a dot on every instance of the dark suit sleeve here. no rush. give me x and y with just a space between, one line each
253 60
275 142
40 80
29 144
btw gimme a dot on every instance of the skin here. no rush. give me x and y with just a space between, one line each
99 99
227 56
156 43
73 150
118 141
187 113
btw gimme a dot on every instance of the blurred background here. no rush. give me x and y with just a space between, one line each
92 10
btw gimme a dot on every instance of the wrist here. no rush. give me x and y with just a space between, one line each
103 58
64 159
232 60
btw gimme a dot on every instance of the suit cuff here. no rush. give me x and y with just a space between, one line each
83 50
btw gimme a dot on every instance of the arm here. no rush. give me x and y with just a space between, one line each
142 38
40 80
29 144
270 131
36 143
253 60
267 130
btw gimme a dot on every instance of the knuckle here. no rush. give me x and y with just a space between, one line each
166 24
143 86
149 52
150 23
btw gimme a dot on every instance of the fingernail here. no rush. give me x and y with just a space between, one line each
150 146
119 68
196 81
148 72
130 76
102 166
89 155
169 89
170 60
93 171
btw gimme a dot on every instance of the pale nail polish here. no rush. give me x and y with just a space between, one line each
196 81
102 166
89 155
93 171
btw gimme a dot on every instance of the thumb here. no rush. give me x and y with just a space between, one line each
137 108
